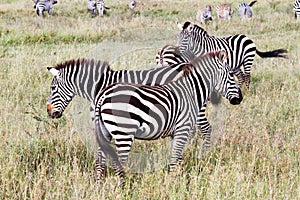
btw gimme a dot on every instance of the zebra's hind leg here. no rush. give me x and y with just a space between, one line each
205 128
100 165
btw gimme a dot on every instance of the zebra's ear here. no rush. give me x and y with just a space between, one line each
222 56
53 71
179 26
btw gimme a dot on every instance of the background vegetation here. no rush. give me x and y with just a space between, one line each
256 145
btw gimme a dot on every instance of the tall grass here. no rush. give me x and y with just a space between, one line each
256 144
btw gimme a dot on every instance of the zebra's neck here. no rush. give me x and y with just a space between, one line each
88 81
198 85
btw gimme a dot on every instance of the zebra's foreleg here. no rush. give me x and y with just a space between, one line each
241 78
204 126
178 142
100 165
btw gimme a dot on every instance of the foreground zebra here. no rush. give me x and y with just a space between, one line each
244 10
296 8
42 6
170 55
125 111
240 49
86 78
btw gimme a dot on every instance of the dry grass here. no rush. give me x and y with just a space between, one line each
256 145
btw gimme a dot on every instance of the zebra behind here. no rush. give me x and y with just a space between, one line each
170 54
296 8
42 6
96 7
125 111
240 49
224 11
204 15
245 11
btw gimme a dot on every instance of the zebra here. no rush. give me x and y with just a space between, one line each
132 5
204 15
244 10
34 3
224 11
170 55
126 111
296 8
86 77
42 6
240 49
97 7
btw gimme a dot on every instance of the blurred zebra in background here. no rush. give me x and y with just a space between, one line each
132 5
42 6
240 49
96 7
125 112
296 8
244 10
224 11
204 15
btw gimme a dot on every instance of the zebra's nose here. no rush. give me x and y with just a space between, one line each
56 114
49 109
237 100
51 113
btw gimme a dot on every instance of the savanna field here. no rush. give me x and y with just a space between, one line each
256 145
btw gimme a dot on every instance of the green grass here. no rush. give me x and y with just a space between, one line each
256 145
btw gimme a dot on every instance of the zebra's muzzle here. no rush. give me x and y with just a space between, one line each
55 114
237 100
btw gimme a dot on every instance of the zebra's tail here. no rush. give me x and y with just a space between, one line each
252 3
272 54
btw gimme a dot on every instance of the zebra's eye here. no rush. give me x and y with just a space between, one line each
53 88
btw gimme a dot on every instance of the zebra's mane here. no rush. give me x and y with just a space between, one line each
189 67
201 30
82 62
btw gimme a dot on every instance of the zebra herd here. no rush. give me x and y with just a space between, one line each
225 11
167 101
95 7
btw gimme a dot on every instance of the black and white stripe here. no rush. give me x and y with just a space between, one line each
240 49
245 11
42 6
85 77
96 7
125 111
296 8
170 54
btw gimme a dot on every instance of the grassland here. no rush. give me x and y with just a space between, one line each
256 145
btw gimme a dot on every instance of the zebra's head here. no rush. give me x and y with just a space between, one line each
190 36
225 83
100 5
61 94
